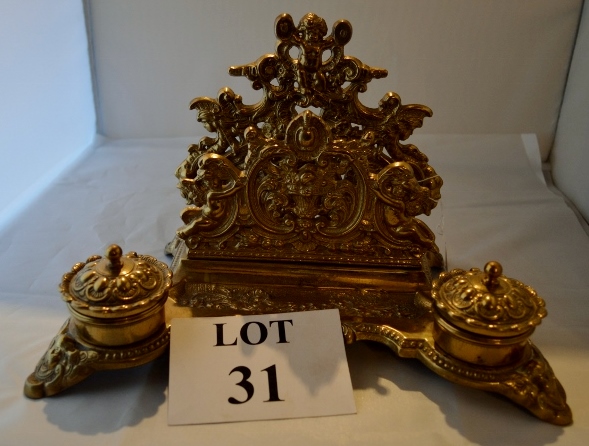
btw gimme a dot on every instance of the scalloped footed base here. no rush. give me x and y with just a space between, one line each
69 360
390 306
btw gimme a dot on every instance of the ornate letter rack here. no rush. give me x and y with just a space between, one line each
289 210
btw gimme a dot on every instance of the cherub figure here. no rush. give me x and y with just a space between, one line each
397 122
404 199
312 44
309 37
222 117
226 118
222 180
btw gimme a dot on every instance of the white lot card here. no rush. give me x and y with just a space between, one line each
272 366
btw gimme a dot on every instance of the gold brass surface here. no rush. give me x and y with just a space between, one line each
487 303
283 186
482 322
117 320
308 200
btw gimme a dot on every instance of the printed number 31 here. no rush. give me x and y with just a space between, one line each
249 387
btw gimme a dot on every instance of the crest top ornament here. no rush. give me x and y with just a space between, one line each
289 185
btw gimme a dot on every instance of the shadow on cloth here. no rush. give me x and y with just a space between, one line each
480 417
110 400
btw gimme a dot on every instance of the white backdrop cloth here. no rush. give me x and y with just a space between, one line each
494 207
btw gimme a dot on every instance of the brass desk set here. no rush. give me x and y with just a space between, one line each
308 200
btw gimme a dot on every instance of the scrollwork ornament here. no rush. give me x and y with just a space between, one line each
128 284
534 386
214 297
309 199
99 289
305 182
64 364
508 307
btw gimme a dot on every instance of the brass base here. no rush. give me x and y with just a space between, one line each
69 359
292 211
393 307
530 382
214 287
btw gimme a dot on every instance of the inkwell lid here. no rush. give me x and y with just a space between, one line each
116 285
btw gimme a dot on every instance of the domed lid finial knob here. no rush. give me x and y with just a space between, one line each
114 254
493 271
